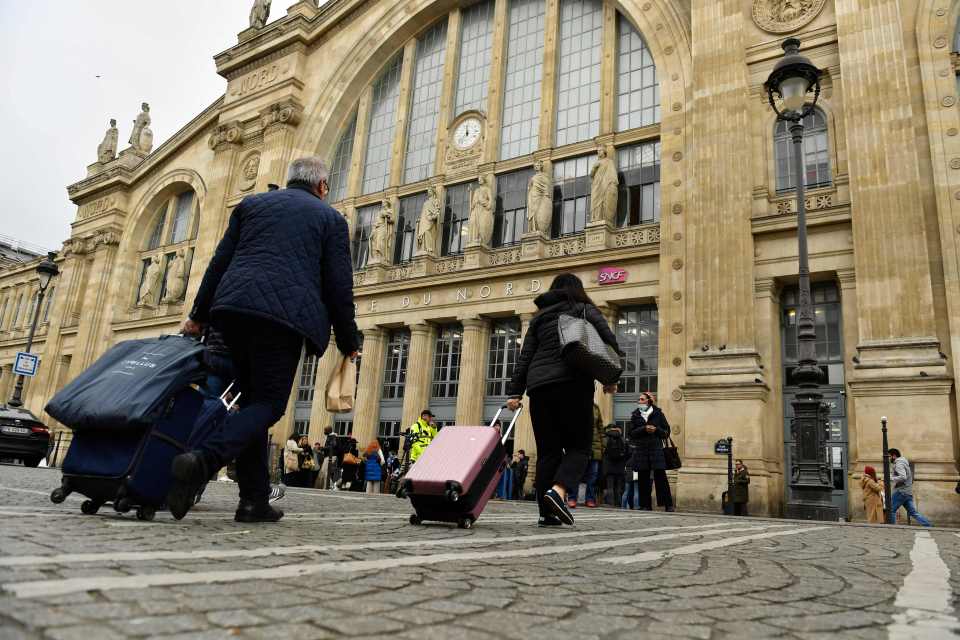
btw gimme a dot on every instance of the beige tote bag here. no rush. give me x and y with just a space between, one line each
342 386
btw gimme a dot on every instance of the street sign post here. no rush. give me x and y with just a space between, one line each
26 364
724 447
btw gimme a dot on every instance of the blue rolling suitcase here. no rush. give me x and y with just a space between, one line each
131 469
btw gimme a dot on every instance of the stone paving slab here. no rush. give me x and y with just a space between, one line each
351 566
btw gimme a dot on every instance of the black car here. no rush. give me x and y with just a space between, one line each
22 436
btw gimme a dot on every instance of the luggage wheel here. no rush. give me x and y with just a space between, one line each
465 523
89 507
415 520
146 513
58 495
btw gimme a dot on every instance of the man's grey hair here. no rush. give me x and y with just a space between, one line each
311 170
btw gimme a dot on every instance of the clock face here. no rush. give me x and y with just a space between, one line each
467 133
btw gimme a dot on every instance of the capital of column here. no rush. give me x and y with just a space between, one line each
473 323
373 333
420 328
225 135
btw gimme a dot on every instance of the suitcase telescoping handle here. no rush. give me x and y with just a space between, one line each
513 421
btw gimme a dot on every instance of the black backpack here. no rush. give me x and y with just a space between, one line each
616 447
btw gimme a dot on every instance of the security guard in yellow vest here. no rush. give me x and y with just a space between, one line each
422 433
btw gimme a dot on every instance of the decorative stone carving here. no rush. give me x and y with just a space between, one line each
450 266
400 273
783 16
637 237
107 150
605 188
540 200
481 214
225 134
150 287
260 13
571 247
285 113
141 138
103 238
382 234
428 224
510 256
176 278
249 172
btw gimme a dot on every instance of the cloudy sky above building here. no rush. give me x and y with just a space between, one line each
73 65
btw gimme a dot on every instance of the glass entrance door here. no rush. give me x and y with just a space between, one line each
829 327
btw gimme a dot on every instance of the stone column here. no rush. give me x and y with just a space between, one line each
94 335
608 71
523 439
723 376
366 410
279 122
764 454
900 372
403 114
548 97
416 394
448 89
473 360
498 68
358 159
848 312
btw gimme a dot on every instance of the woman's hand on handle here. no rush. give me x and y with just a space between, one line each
610 388
513 404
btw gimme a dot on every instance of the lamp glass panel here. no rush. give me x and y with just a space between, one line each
794 91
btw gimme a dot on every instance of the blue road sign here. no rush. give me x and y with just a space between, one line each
26 364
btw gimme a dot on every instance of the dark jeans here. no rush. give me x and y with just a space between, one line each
615 485
265 356
664 498
562 416
740 508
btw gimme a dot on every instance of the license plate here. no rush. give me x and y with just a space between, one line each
15 431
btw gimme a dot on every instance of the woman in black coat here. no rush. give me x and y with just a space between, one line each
649 428
561 397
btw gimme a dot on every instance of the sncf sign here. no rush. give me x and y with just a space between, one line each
611 275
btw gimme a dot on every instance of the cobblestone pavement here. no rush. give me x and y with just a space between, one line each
351 565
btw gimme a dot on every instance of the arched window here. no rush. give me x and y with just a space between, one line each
578 80
476 47
168 253
638 92
340 169
383 121
425 106
816 154
520 133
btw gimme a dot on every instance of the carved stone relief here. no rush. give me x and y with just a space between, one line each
249 171
783 16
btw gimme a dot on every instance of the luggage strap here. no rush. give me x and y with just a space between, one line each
171 441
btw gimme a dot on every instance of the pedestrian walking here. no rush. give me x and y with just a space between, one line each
520 466
615 456
741 489
649 428
317 451
280 278
872 495
592 473
903 489
373 467
291 461
561 397
330 469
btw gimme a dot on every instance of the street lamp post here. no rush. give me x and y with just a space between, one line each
789 86
46 270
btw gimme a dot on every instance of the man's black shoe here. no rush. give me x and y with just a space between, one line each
558 506
549 521
189 475
257 512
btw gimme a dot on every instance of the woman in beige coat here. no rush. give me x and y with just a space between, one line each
872 492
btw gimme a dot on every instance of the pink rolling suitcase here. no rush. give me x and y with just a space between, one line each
457 474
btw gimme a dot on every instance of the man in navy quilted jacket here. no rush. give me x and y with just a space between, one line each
280 279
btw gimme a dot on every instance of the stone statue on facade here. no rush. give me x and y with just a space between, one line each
605 188
141 138
150 287
428 224
176 278
259 14
540 200
481 213
107 150
381 235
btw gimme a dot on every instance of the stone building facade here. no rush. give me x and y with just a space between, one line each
690 252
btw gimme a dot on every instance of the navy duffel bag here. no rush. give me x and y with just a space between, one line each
127 388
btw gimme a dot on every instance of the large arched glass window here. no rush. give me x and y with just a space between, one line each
340 169
638 92
168 252
476 45
524 75
425 106
383 122
578 80
816 154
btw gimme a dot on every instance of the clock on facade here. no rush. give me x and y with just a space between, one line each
467 133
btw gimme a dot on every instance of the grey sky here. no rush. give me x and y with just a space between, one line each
56 110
